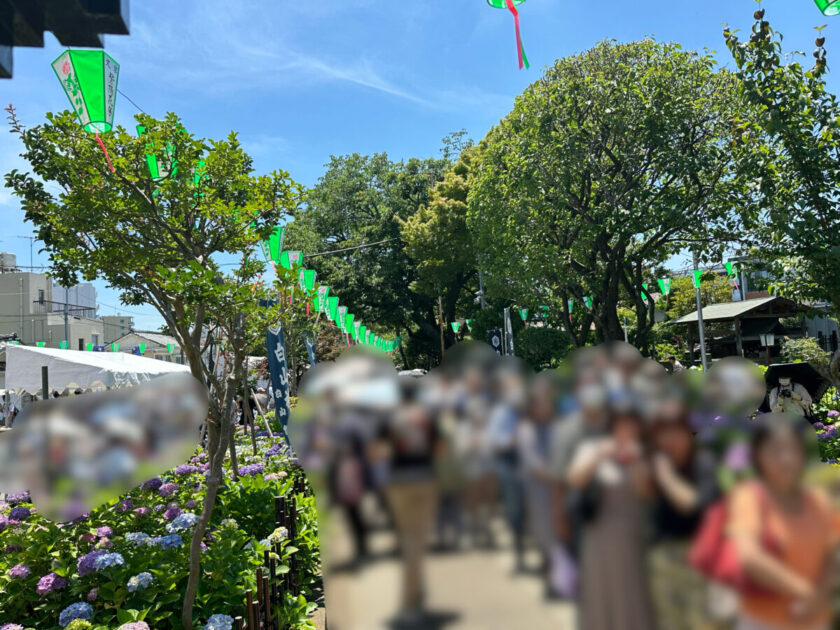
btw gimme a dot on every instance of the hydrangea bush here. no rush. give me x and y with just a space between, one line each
125 565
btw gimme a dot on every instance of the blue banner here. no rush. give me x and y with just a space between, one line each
495 338
310 348
276 346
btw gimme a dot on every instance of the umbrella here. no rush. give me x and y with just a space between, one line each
802 373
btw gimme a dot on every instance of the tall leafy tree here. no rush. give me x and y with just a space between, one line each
158 242
795 219
355 212
610 163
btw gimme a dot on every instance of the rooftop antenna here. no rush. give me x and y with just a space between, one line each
31 240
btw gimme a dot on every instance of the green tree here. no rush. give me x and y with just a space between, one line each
158 243
356 210
439 243
609 164
795 217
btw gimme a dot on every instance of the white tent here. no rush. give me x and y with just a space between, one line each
79 369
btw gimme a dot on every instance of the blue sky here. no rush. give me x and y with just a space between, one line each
303 80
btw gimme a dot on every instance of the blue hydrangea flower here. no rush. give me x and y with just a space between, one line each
19 513
85 564
182 522
219 622
108 560
170 542
141 580
138 538
251 469
79 610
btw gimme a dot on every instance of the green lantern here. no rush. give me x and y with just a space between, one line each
357 330
332 308
170 348
89 347
323 294
698 273
644 291
342 315
115 347
90 79
348 323
309 276
275 244
523 313
302 280
290 259
142 348
588 301
469 325
40 344
571 306
665 286
63 345
511 5
159 170
828 7
456 327
731 269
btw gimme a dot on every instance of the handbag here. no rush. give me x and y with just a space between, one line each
713 553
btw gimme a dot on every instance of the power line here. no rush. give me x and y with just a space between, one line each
140 109
347 249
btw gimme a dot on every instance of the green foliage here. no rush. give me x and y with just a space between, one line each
796 176
542 348
714 289
807 350
609 164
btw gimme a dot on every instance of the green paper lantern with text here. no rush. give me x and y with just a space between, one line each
89 347
588 299
115 347
357 331
571 306
170 348
40 344
309 277
332 308
323 295
159 169
90 79
342 315
290 259
523 313
456 327
142 348
349 326
698 274
275 244
664 286
63 345
828 7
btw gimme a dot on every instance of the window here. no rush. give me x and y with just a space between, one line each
40 296
95 339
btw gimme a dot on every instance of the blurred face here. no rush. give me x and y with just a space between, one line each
542 403
626 429
780 460
674 440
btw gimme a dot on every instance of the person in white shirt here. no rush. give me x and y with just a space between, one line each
790 397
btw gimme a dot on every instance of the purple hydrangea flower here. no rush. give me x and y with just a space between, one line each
833 413
12 548
4 520
85 564
50 582
190 504
171 512
251 469
12 626
104 543
276 449
93 594
18 497
104 532
19 514
125 505
168 489
185 469
819 426
134 625
160 507
19 571
152 484
87 537
141 511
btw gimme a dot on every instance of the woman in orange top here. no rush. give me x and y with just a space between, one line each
784 533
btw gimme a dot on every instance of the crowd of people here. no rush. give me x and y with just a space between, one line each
655 498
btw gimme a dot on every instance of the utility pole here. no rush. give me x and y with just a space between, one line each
440 317
481 289
700 319
31 240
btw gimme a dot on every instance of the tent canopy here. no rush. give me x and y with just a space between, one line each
79 369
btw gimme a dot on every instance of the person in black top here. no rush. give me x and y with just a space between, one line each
685 483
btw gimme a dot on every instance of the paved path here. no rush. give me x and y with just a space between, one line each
470 590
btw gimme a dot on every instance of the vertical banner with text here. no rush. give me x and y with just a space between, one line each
277 366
